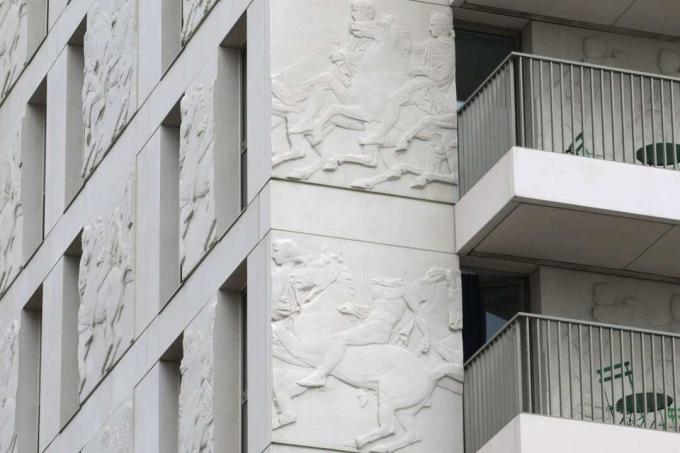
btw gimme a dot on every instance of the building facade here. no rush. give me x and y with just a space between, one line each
338 225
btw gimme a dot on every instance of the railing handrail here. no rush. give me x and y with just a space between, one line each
601 325
516 55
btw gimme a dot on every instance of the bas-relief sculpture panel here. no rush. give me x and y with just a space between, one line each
105 286
13 42
367 348
196 415
196 169
193 13
364 95
9 374
109 87
116 436
11 210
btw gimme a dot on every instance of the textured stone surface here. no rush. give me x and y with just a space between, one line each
13 43
375 112
193 13
105 285
196 175
11 210
109 88
367 346
9 372
196 411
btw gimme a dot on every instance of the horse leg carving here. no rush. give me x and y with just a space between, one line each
385 422
407 419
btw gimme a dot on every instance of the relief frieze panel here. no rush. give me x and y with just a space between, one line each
370 104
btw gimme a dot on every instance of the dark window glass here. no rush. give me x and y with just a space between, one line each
477 55
489 301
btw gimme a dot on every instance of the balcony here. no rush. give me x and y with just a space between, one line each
570 163
572 371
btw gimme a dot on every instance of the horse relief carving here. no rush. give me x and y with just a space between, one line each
385 102
12 42
196 184
9 349
105 286
390 348
11 209
108 95
193 13
196 415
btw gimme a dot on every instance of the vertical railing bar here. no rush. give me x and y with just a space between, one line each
651 100
611 109
623 371
527 340
592 386
571 103
521 102
592 112
562 147
599 332
583 120
540 94
644 132
539 366
663 366
518 364
632 370
663 123
644 380
512 107
675 385
552 108
623 116
604 140
611 365
571 389
632 115
651 338
675 151
549 378
580 365
559 365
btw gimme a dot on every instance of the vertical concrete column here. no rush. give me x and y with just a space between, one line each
156 409
160 24
64 133
59 371
158 218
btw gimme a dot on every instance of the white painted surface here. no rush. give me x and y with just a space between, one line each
538 434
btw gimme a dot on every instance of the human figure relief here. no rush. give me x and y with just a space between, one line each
197 205
11 210
196 414
193 12
386 348
109 77
12 55
8 388
104 279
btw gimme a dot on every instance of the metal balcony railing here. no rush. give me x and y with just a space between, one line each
572 108
571 369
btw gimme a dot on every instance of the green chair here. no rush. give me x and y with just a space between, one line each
578 147
659 154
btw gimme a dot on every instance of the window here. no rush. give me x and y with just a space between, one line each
489 301
478 52
244 126
244 372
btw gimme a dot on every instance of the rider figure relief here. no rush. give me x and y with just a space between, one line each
393 300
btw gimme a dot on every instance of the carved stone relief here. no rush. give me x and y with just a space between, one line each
356 344
109 87
375 112
116 436
193 12
11 210
196 415
196 185
12 42
105 285
9 350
